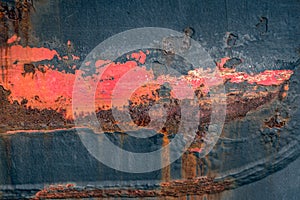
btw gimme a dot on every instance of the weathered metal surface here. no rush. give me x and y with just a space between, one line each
255 46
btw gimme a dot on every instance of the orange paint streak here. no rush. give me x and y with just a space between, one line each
266 78
13 39
271 77
53 89
26 54
38 90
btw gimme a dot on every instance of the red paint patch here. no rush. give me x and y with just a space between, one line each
110 77
140 57
266 78
54 89
75 57
196 150
222 62
26 54
13 39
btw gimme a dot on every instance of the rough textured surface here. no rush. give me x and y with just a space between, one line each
260 137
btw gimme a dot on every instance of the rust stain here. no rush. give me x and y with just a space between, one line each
284 91
276 121
189 166
46 88
166 171
172 189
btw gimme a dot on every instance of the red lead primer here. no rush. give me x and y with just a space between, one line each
53 89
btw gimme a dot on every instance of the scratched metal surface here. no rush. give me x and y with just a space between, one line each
247 150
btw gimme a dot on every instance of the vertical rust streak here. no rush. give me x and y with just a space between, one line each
165 158
189 166
2 66
6 66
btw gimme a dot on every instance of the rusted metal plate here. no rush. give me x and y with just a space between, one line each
95 104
